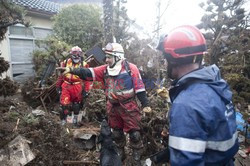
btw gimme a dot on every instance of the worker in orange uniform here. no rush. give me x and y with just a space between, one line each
70 86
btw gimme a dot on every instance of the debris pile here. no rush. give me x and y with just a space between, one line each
50 143
7 86
53 144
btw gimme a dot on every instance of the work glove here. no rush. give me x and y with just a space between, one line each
65 69
163 93
147 110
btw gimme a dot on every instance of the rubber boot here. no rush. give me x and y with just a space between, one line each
136 156
63 114
135 143
120 141
121 152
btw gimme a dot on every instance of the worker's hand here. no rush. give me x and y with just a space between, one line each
163 93
147 110
65 69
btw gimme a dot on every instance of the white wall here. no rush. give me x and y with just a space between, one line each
41 22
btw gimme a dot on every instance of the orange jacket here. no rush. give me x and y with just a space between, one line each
71 78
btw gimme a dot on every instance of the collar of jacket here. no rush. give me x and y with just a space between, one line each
182 83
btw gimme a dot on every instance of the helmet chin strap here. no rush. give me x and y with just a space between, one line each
115 60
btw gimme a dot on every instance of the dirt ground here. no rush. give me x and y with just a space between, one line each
53 144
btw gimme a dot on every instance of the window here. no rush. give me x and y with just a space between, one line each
21 31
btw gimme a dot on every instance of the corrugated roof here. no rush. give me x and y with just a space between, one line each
39 5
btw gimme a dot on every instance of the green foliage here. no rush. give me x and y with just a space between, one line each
30 119
4 65
223 22
121 22
79 25
116 21
13 115
10 14
51 49
228 39
7 87
146 59
240 86
39 59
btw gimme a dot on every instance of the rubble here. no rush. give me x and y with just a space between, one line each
17 152
53 144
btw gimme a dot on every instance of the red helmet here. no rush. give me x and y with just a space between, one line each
183 42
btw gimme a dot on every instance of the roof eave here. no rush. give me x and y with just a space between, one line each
40 13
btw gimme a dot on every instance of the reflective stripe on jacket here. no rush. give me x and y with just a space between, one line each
121 87
202 120
71 77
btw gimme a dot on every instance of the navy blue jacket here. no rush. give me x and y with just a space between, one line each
202 120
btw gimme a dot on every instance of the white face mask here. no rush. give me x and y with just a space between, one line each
76 58
114 71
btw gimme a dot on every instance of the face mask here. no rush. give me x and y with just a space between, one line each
76 58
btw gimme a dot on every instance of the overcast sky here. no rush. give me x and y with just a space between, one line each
178 13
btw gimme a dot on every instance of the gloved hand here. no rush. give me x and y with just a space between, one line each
65 69
59 90
147 109
163 93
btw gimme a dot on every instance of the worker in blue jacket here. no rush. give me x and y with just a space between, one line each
202 127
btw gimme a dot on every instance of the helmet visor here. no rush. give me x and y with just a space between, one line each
108 56
78 53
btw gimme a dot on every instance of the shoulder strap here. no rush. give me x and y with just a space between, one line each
65 62
127 67
82 62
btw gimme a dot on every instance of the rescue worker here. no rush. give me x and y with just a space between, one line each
69 86
202 117
122 82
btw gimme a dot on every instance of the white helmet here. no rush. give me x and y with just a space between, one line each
114 49
76 54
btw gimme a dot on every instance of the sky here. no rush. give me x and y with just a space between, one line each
179 12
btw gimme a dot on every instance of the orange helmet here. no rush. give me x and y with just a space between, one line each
182 44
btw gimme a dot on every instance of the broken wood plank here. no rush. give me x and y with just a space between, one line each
72 162
87 129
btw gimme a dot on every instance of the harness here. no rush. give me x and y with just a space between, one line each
71 83
127 69
80 65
